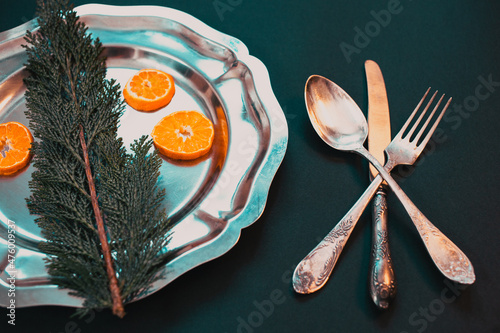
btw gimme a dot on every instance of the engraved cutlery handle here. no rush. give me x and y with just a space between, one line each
450 260
382 280
315 269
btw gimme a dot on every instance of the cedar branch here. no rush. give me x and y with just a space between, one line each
118 308
67 87
113 282
103 238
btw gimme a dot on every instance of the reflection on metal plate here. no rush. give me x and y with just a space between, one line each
209 199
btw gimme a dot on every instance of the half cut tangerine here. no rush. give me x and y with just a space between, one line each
15 144
184 135
149 90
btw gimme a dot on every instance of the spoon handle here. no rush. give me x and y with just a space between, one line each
449 259
315 269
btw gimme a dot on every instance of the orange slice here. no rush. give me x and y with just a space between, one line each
15 144
149 90
183 135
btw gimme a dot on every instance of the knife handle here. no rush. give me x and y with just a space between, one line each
382 280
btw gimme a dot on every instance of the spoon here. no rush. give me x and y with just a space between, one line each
340 123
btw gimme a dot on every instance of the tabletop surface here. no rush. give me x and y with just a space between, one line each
451 46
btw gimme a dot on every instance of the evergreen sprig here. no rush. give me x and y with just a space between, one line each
98 206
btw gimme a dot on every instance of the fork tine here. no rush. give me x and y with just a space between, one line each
435 125
424 126
417 122
401 131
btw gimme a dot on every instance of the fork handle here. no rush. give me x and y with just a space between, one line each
382 281
315 269
449 259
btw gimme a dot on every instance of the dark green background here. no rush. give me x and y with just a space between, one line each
448 45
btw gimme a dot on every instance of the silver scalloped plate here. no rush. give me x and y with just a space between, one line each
210 199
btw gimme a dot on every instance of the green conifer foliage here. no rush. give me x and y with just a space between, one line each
83 172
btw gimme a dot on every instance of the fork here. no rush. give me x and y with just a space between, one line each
314 270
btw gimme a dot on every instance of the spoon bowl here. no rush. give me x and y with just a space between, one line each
334 115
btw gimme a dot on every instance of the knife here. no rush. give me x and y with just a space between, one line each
382 281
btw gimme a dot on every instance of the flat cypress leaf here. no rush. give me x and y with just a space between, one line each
98 206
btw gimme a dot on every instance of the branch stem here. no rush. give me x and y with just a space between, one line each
118 308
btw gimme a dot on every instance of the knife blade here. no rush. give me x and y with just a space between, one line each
382 281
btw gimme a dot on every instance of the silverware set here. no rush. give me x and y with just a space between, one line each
341 124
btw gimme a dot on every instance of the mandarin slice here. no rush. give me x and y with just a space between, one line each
183 135
15 144
149 90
